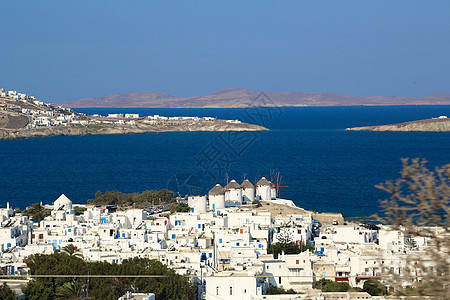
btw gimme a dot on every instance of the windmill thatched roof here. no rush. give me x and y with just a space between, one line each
263 181
217 190
247 184
232 185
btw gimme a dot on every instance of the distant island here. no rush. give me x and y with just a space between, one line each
22 116
440 124
238 97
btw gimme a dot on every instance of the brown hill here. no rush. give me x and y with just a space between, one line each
130 99
238 97
441 124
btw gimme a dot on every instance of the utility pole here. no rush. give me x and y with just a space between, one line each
87 288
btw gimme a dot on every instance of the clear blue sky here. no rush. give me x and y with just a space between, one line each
68 50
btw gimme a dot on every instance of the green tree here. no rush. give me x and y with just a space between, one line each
71 250
139 200
374 287
6 293
180 207
98 194
79 210
37 212
337 287
285 244
319 284
257 203
69 290
327 285
273 290
170 286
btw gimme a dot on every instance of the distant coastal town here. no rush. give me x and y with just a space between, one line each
238 241
23 116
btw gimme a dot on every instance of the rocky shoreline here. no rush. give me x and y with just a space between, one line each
427 125
218 125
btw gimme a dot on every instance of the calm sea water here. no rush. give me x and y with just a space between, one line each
323 167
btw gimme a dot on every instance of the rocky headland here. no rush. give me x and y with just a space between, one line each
22 116
218 125
441 124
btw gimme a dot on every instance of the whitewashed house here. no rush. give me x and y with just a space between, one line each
234 285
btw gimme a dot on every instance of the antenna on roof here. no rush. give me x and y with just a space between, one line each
226 178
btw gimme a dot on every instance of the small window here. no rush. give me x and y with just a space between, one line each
217 291
297 261
231 290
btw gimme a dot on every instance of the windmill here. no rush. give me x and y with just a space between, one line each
276 179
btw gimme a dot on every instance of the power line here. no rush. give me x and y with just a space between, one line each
164 276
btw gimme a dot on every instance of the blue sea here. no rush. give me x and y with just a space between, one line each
322 166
